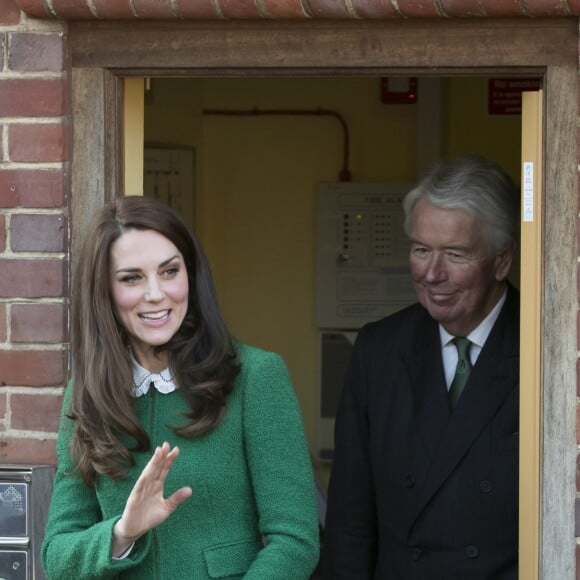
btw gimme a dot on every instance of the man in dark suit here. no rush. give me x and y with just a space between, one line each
424 484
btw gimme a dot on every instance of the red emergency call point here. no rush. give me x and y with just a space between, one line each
398 90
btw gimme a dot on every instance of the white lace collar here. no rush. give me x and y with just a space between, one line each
142 380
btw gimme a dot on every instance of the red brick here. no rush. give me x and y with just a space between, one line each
3 323
31 188
544 8
31 97
37 143
240 8
9 12
502 7
34 8
2 232
417 8
41 451
38 233
121 9
202 9
32 278
374 9
3 417
38 323
36 52
153 8
35 412
330 8
31 368
71 9
285 8
462 8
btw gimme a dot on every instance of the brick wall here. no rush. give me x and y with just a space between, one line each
34 233
34 182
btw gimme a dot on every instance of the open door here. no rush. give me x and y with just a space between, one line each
133 139
531 285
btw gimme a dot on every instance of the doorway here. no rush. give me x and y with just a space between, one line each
261 147
101 57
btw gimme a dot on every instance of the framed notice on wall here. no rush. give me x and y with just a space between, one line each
504 94
168 175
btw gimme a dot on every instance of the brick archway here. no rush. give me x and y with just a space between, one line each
293 9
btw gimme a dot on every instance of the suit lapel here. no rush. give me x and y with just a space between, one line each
493 377
431 411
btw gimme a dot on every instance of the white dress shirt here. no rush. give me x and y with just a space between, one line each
477 336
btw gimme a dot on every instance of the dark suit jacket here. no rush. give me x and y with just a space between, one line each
418 492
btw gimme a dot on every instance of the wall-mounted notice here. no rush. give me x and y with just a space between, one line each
528 192
504 95
168 175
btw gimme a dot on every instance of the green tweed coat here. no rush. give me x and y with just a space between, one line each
252 514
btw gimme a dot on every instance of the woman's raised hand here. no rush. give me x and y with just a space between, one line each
146 507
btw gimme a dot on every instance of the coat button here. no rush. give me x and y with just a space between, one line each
416 554
472 551
409 481
485 486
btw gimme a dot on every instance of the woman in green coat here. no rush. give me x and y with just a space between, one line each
181 453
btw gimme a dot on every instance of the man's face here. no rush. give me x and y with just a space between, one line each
455 278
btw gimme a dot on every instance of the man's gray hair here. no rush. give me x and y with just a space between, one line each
477 186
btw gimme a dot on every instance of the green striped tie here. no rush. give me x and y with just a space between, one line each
462 371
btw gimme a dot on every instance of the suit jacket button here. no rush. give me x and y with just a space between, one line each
485 486
416 554
472 551
409 481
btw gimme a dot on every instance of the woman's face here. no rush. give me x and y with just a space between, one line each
149 288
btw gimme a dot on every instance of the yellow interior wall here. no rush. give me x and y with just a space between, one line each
254 206
469 128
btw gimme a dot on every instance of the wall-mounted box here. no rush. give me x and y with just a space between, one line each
25 492
362 254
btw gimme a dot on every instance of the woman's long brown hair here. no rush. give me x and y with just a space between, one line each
201 353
